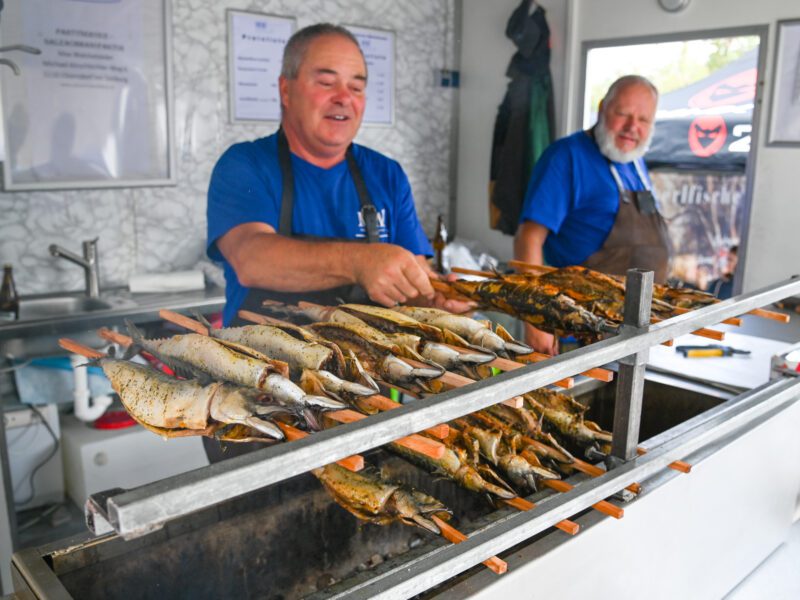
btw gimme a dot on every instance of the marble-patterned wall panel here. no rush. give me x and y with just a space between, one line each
158 229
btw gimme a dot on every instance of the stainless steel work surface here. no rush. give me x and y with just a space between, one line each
744 372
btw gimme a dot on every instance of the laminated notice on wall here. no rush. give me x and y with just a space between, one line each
255 51
88 105
378 48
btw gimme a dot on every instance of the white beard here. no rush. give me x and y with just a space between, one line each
605 141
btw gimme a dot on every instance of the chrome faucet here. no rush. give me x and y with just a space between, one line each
89 262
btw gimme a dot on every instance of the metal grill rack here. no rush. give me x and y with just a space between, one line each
143 510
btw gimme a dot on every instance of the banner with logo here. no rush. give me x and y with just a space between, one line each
708 124
704 214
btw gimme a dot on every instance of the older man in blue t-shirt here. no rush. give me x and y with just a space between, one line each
285 211
589 200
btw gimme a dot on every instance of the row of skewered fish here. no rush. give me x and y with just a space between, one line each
574 300
242 383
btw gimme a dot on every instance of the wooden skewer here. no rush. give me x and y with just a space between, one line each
735 321
455 380
183 321
352 463
463 271
76 348
596 373
769 314
114 337
565 525
530 266
383 403
415 442
578 464
602 506
704 332
677 465
453 535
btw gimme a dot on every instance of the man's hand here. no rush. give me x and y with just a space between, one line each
390 274
541 341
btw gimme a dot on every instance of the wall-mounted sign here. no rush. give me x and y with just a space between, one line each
90 103
784 125
255 50
378 48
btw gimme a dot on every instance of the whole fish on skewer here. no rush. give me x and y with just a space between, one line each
371 498
543 306
476 333
339 374
492 446
456 465
208 359
386 326
380 358
543 454
174 407
566 415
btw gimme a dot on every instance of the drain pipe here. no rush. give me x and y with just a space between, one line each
85 409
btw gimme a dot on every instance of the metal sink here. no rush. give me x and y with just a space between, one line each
59 306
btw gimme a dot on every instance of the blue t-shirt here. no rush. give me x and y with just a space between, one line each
574 195
246 186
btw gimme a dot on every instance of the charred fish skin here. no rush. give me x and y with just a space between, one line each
566 415
372 499
454 467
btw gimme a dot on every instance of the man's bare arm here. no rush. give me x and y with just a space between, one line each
264 259
528 244
529 241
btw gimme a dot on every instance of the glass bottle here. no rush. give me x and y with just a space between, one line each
439 242
9 300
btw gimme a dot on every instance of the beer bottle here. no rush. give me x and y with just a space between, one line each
9 300
439 242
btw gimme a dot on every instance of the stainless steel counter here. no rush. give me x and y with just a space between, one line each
29 338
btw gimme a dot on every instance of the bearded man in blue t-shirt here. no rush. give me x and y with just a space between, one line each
589 200
286 212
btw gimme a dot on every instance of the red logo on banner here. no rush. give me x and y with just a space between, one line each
707 134
736 89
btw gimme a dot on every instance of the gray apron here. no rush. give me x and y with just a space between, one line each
638 238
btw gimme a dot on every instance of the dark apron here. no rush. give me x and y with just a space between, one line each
346 293
638 238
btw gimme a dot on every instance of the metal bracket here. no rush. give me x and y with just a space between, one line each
630 378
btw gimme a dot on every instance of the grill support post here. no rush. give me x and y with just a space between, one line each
630 379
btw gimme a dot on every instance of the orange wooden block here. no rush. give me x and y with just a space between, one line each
602 506
415 442
769 314
352 463
453 535
567 526
183 321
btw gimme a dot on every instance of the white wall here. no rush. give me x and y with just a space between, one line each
771 247
485 53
